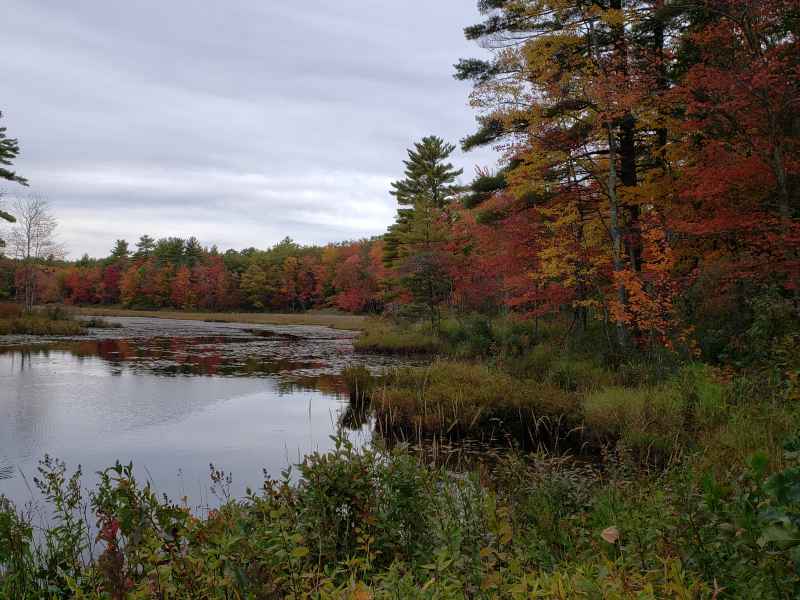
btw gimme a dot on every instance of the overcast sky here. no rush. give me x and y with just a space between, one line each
240 122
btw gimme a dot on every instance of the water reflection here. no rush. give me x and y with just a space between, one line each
174 403
214 356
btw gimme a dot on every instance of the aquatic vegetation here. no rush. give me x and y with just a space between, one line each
381 336
453 399
50 320
37 325
100 323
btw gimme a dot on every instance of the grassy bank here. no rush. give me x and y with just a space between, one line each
382 337
334 320
586 410
43 322
371 524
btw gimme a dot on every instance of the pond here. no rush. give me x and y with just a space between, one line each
172 397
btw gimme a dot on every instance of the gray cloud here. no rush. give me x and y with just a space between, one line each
240 122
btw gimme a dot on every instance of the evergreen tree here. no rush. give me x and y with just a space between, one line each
169 250
120 251
427 188
4 216
193 251
145 247
9 149
414 244
428 177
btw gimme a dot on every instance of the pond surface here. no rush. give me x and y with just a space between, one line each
173 396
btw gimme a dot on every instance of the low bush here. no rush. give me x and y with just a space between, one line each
533 364
55 312
371 524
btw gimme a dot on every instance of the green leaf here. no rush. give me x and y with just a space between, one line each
759 463
300 552
779 535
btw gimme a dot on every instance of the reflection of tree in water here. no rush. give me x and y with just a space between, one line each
24 362
327 383
355 416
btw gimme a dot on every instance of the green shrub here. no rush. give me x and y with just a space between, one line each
645 419
100 323
703 396
651 368
371 524
468 337
55 312
574 374
535 363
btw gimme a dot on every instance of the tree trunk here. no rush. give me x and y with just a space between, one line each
616 233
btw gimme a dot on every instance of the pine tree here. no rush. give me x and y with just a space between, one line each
120 251
145 247
9 149
414 245
428 187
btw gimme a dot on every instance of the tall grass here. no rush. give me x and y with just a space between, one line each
546 400
37 325
452 399
51 320
381 336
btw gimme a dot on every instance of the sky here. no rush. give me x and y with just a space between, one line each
239 122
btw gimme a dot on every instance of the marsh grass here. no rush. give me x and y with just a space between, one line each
648 420
457 399
49 320
100 323
380 336
37 325
546 401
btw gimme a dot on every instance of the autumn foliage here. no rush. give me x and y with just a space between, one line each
649 155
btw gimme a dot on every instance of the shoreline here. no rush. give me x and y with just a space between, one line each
334 321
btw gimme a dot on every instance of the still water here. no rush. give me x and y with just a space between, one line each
172 397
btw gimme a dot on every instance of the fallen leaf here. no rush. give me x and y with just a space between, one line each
610 534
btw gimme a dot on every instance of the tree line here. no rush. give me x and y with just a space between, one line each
180 273
649 182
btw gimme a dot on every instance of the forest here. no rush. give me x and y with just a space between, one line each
650 182
624 286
